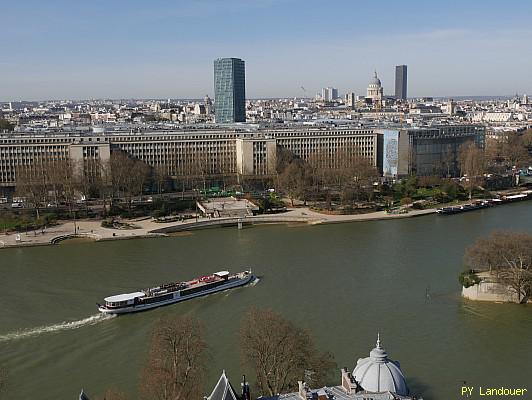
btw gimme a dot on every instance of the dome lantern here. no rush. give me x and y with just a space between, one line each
377 373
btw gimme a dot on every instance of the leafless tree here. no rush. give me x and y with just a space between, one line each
103 182
176 363
294 180
32 184
509 256
472 164
514 150
128 176
113 394
160 175
281 353
119 164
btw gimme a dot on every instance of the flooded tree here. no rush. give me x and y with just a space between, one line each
176 362
508 255
281 353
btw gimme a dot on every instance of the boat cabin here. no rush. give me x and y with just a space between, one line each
222 274
123 300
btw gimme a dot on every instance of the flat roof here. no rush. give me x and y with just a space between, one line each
124 297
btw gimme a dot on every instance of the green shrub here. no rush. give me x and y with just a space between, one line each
468 278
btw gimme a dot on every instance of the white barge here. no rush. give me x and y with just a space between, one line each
174 292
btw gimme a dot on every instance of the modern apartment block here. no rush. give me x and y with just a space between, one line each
230 90
401 82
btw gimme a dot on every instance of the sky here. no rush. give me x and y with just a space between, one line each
85 49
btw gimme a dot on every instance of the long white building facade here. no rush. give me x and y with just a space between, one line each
248 152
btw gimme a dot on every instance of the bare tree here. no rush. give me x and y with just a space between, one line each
281 353
128 176
514 150
176 363
472 164
509 256
113 394
294 181
160 175
103 182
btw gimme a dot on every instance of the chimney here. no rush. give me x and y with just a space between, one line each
349 384
303 390
245 389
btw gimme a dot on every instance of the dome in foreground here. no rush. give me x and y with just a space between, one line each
377 373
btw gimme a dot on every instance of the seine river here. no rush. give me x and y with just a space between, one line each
345 282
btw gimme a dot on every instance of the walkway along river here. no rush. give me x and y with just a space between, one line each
345 282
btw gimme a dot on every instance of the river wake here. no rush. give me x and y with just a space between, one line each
65 325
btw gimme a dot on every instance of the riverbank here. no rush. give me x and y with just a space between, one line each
92 229
148 228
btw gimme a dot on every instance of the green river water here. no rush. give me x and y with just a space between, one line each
345 282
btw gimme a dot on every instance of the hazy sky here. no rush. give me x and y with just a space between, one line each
157 49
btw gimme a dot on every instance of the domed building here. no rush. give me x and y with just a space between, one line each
374 378
375 90
377 373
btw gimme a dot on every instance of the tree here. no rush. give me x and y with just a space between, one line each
294 180
472 164
112 394
176 362
160 176
509 256
514 150
128 176
6 125
103 182
281 353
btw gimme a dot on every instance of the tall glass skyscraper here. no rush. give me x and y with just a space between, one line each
400 82
229 90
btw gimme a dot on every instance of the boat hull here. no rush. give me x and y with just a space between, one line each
143 307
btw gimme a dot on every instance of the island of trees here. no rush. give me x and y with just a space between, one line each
502 262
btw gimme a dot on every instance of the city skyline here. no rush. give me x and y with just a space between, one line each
80 51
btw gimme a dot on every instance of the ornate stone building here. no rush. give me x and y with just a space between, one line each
375 92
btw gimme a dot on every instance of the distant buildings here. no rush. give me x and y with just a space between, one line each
350 99
329 94
401 82
230 90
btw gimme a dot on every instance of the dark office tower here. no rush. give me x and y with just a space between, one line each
229 90
400 82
